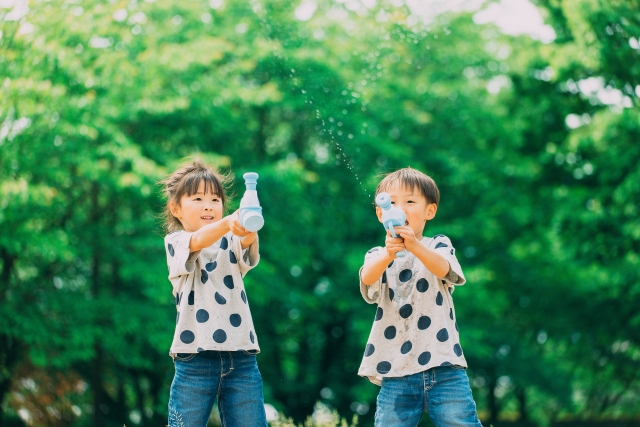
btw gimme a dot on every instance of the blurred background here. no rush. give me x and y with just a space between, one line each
525 113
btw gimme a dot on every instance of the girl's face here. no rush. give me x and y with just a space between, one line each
414 205
198 210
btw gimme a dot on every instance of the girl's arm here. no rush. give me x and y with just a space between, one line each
211 233
374 267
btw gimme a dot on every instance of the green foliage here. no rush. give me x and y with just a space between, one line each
99 101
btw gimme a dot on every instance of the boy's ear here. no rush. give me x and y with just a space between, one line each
379 213
432 209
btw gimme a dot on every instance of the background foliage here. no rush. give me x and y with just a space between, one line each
534 146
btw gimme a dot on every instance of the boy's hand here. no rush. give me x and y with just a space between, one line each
393 245
234 225
410 240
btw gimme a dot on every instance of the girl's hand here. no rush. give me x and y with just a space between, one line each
234 225
393 245
410 240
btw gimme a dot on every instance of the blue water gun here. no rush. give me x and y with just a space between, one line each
391 216
250 210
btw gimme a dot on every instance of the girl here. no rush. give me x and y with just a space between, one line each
214 345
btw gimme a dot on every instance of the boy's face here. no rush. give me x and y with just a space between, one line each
198 210
414 205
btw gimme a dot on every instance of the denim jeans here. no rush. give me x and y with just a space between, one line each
231 376
443 392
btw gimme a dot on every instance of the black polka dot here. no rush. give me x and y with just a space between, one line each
187 337
177 299
372 250
450 289
444 282
424 322
191 298
384 277
232 258
445 364
170 249
202 316
224 243
368 350
228 281
405 275
439 299
235 320
379 313
457 350
456 326
422 285
451 313
451 252
177 317
406 310
243 296
220 299
383 367
439 245
391 294
442 335
390 264
390 332
211 266
406 347
200 349
251 336
204 276
438 235
424 358
219 336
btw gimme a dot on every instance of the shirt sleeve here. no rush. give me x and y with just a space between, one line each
442 245
371 293
248 257
179 259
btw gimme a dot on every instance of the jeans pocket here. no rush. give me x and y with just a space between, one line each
251 352
184 357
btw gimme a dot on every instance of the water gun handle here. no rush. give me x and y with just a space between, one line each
250 209
391 216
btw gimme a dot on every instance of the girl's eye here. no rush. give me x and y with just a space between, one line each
197 199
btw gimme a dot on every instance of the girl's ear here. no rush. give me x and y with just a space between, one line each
174 208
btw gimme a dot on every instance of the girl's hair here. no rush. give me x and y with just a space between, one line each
411 179
185 181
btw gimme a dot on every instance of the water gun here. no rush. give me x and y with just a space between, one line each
391 216
250 210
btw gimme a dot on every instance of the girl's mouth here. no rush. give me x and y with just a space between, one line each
206 218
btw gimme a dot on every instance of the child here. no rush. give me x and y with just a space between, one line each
413 350
214 345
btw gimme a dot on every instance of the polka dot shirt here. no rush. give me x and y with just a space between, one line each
212 305
415 326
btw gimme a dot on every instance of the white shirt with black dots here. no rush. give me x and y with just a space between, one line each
415 326
212 305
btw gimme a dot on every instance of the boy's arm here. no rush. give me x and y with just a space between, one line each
434 262
374 267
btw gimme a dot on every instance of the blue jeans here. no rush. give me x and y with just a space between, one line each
443 392
231 376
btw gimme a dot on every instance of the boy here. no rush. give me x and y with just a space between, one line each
414 350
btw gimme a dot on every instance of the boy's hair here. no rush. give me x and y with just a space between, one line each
185 181
411 178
